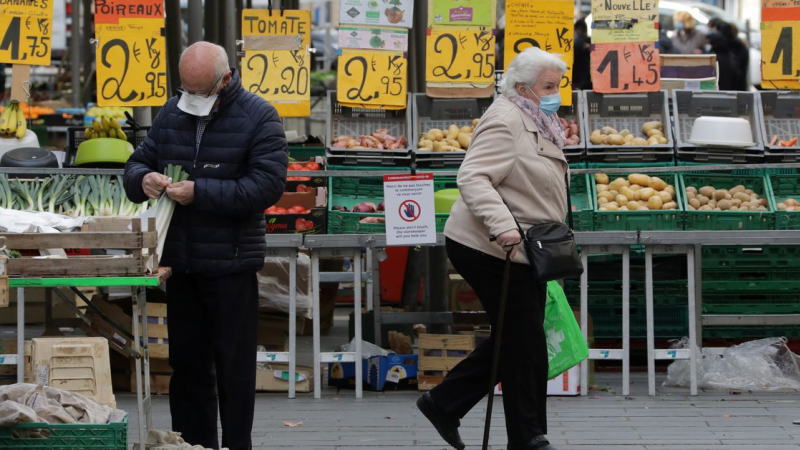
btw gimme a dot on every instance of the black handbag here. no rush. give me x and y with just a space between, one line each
551 249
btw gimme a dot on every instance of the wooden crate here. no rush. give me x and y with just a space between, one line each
132 263
438 354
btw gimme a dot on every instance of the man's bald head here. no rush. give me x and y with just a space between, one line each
201 67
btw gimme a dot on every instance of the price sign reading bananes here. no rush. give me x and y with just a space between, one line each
625 67
372 79
460 55
272 71
546 25
131 53
25 32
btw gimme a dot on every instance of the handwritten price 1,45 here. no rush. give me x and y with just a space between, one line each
625 67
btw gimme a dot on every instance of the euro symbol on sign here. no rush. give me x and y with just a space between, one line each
136 52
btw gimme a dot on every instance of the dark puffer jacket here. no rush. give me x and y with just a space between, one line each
239 169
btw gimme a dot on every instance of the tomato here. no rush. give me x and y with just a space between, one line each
279 210
303 188
295 166
270 210
301 224
296 210
312 165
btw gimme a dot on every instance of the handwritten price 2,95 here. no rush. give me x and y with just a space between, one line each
132 74
460 55
372 77
625 67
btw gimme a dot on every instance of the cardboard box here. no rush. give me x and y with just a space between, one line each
314 222
375 372
292 183
566 384
74 364
275 378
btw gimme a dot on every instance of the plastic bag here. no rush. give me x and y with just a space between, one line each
760 365
566 346
164 209
273 285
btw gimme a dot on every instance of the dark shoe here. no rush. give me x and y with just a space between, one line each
540 443
446 426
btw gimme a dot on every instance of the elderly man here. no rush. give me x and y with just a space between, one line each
232 145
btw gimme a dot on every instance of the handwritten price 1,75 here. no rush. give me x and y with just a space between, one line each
25 40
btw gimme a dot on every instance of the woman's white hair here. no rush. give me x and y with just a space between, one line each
527 67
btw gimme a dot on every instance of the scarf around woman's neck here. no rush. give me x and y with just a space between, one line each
548 124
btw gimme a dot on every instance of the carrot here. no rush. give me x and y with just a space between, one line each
792 142
774 140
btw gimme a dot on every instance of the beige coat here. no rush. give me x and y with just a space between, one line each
507 160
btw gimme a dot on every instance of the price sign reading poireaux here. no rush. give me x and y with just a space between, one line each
276 64
131 53
544 24
372 79
26 31
460 55
625 67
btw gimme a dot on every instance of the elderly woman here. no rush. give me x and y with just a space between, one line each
514 169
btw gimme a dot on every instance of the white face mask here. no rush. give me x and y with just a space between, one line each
196 104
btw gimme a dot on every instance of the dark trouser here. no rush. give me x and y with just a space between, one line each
523 355
212 324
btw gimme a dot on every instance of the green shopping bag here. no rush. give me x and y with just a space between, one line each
566 346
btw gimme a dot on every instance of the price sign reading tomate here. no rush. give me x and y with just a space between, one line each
460 55
625 67
372 79
131 53
270 69
25 32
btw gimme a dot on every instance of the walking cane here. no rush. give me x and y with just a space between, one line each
498 338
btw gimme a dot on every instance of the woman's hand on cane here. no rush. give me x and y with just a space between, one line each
509 241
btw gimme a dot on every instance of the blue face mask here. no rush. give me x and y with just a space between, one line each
550 103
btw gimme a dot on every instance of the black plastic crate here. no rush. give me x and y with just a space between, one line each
440 113
689 105
368 160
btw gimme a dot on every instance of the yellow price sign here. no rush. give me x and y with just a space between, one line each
25 32
780 51
372 78
546 25
280 76
131 63
624 21
460 55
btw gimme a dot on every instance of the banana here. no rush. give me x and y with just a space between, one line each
5 118
22 125
11 126
121 134
88 133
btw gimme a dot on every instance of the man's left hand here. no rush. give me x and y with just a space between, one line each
182 192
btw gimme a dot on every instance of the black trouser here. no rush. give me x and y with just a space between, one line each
523 355
212 324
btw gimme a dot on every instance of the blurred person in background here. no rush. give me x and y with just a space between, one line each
687 39
732 55
581 75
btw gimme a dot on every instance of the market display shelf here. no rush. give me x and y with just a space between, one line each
609 293
727 220
760 171
380 162
582 202
626 111
780 117
753 274
670 321
631 165
429 113
111 436
639 220
752 286
750 303
747 258
783 187
743 332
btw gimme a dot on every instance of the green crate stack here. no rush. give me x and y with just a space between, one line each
609 293
782 188
350 191
631 165
670 321
750 332
727 220
647 220
111 436
582 202
306 152
735 171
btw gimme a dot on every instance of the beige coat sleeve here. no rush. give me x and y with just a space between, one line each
490 159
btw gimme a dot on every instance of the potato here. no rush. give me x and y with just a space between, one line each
466 129
597 139
639 141
615 139
670 189
691 189
607 195
621 199
734 208
653 132
646 193
658 184
666 197
440 146
435 134
652 140
662 140
629 139
609 130
712 203
602 201
640 179
690 208
618 183
708 191
452 142
724 204
653 124
601 187
635 187
721 194
705 208
426 144
634 206
628 193
464 139
736 202
740 195
601 178
737 188
655 202
475 123
669 205
703 199
695 203
749 191
610 207
624 208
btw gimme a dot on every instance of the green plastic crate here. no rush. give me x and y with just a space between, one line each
609 293
783 187
754 274
582 202
303 152
736 171
744 258
754 332
639 220
670 321
745 286
750 303
623 165
727 220
30 436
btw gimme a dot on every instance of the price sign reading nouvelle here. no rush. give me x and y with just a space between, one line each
26 31
280 76
546 25
460 55
131 53
372 79
624 21
625 67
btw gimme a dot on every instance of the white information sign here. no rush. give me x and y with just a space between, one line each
409 209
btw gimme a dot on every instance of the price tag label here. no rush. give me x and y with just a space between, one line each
628 67
131 53
624 21
547 25
779 10
462 12
26 32
279 76
780 52
372 79
460 55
